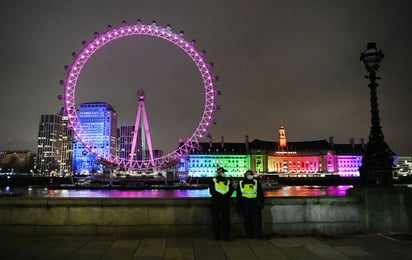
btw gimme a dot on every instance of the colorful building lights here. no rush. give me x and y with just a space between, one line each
300 159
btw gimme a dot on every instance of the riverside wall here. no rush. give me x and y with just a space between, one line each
358 212
384 210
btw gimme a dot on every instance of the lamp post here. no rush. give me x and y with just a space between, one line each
377 162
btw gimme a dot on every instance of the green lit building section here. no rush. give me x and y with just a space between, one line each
205 165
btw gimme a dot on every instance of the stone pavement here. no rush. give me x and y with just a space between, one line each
371 246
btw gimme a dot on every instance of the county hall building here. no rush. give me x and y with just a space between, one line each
287 159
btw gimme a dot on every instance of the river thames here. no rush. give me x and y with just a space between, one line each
285 191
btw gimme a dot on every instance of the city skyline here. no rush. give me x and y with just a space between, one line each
295 64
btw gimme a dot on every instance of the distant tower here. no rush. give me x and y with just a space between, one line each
282 136
142 132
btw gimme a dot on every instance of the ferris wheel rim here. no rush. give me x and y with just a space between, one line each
125 30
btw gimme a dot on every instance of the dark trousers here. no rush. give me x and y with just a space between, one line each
221 217
252 216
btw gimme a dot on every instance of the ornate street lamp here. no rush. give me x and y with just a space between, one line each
377 162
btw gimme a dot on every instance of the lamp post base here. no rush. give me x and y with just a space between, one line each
377 166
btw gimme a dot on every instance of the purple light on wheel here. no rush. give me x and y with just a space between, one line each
125 30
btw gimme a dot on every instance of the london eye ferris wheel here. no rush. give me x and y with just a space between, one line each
125 30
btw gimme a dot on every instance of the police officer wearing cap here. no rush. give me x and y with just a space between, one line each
221 190
250 198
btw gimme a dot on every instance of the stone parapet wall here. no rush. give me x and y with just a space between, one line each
171 216
385 210
314 215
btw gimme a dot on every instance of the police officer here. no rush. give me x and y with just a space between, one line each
221 190
250 198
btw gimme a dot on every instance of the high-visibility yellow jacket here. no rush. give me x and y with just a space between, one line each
249 190
222 187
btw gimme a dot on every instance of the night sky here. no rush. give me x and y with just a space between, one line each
279 62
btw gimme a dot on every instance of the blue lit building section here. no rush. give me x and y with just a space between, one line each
99 122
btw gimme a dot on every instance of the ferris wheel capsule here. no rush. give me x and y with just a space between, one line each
168 27
84 43
62 82
193 42
154 23
139 22
60 97
181 34
66 67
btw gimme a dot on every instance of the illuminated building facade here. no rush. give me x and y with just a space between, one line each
404 165
312 158
125 141
67 147
203 161
50 144
54 145
99 121
288 159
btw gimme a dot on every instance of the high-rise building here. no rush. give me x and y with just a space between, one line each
49 144
125 143
67 147
99 122
54 145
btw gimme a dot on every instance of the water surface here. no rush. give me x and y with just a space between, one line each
285 191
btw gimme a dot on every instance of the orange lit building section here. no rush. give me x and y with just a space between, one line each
288 160
282 136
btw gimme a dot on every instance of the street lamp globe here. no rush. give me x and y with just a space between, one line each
371 57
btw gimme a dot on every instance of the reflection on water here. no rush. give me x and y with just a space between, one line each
295 191
286 191
120 193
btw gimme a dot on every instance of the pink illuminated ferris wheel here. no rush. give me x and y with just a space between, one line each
113 33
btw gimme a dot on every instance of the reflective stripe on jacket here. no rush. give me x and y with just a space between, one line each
221 187
249 190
